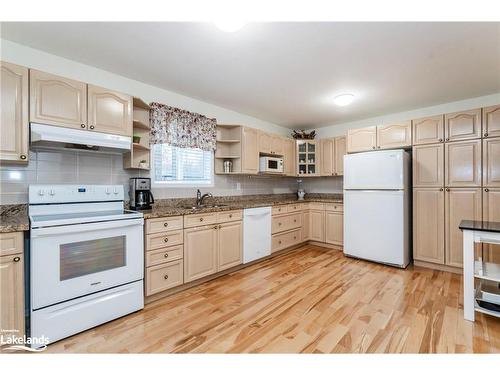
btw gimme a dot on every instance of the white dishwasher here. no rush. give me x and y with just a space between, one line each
256 233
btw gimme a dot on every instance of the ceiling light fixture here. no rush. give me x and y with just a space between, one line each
343 100
229 26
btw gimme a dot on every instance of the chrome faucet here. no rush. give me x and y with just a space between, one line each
200 198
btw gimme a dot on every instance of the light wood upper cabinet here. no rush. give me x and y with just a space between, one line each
200 252
339 151
317 225
462 125
428 165
14 113
491 121
394 136
428 225
428 130
277 145
460 204
249 150
109 111
327 156
363 139
334 228
230 245
463 163
265 140
491 162
57 101
289 157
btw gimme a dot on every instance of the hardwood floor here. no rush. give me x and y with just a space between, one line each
310 300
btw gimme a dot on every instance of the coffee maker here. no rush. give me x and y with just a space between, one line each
140 194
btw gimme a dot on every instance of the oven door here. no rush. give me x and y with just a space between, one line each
71 261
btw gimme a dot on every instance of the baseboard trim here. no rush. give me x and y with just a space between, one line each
326 245
438 267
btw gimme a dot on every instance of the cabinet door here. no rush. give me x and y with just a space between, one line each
327 156
276 145
317 226
462 125
334 225
428 130
109 111
14 113
57 100
428 225
491 121
364 139
200 252
428 165
460 204
306 223
249 150
339 152
230 245
491 212
289 157
265 141
491 162
394 136
12 294
463 164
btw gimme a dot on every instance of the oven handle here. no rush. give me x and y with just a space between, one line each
78 228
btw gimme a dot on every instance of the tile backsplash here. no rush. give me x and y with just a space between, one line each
79 167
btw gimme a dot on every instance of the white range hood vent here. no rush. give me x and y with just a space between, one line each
56 137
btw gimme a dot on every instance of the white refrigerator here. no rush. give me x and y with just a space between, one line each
377 206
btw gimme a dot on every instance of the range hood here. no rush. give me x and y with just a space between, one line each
49 136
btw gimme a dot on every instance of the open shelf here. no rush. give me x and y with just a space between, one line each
485 311
139 151
227 157
487 271
228 140
140 147
140 125
139 103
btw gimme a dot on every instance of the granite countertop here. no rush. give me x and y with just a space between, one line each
483 226
14 218
174 207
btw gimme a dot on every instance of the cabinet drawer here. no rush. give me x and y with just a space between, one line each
164 276
224 217
11 243
283 240
337 207
163 224
316 206
285 222
294 207
281 209
199 219
164 255
157 241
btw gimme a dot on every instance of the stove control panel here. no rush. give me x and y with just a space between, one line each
44 194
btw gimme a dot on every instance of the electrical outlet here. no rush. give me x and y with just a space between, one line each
238 186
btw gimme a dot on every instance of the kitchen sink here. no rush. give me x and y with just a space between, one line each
194 207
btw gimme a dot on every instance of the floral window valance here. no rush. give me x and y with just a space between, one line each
181 128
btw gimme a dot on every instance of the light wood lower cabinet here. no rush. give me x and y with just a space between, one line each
164 276
286 239
109 111
14 127
334 227
11 284
317 225
306 224
428 224
200 252
230 245
460 204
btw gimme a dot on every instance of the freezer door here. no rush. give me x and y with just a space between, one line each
376 170
376 226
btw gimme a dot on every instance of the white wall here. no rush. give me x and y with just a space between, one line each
341 129
79 167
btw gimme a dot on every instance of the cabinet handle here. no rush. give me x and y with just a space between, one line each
485 135
92 127
166 255
279 242
440 139
201 219
165 224
82 125
373 147
486 190
165 239
16 259
447 139
447 189
378 147
294 220
165 277
23 157
279 223
441 189
215 227
220 226
294 237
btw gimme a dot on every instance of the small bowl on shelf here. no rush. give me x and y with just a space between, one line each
136 139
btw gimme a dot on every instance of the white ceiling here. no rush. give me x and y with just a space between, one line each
286 72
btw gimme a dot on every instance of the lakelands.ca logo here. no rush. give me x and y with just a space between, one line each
9 341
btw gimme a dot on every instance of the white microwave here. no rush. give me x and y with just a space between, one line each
269 164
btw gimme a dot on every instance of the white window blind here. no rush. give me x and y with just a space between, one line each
175 165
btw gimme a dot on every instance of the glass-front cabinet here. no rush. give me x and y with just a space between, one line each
307 158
